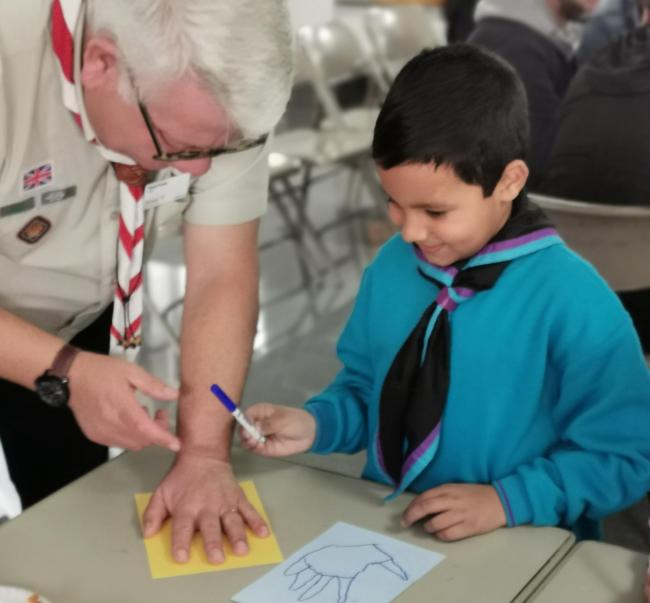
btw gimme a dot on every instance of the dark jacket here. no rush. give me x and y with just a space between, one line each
602 150
545 71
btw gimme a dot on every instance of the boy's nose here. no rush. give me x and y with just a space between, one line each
413 231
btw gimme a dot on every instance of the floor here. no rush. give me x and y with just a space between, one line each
299 324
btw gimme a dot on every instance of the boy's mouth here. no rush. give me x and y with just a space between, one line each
430 249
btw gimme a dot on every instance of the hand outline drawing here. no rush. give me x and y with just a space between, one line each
314 571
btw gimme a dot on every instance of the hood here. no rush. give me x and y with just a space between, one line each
535 14
623 68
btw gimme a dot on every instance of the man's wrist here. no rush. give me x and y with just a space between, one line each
212 453
52 386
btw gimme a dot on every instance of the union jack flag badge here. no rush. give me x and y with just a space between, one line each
38 177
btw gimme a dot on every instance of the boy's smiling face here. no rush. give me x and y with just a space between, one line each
447 218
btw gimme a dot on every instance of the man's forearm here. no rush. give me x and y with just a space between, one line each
219 321
25 350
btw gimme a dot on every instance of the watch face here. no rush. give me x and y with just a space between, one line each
53 390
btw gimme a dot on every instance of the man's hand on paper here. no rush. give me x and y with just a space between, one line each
200 494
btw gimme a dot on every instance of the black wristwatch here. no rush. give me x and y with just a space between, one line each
52 386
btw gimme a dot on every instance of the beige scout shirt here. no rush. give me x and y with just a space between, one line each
49 168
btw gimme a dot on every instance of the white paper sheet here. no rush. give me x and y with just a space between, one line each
345 564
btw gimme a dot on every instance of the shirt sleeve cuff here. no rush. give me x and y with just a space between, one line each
515 501
325 440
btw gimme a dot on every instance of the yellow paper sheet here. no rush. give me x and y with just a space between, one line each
262 551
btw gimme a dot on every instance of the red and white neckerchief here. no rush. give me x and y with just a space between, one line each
127 309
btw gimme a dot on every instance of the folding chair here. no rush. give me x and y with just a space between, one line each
614 238
335 54
398 33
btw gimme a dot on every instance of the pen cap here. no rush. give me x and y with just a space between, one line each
223 398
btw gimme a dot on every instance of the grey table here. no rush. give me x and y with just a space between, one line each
83 545
595 572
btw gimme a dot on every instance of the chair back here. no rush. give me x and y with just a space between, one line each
398 33
615 239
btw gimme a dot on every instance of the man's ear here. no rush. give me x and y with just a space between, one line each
512 181
99 63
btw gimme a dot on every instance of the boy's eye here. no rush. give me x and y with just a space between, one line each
435 214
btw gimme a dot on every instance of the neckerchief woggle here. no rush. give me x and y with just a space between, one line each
416 386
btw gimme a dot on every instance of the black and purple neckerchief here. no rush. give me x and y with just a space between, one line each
415 389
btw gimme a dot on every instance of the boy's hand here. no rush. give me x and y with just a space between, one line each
456 511
287 430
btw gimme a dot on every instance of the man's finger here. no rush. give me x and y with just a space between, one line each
152 386
233 526
153 434
210 528
161 418
182 532
154 515
253 519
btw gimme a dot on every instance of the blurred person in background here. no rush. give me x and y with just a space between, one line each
611 20
538 38
602 148
460 19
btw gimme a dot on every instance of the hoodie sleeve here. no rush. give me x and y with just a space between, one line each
601 463
340 410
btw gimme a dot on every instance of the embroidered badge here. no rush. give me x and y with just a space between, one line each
38 177
58 195
18 207
34 230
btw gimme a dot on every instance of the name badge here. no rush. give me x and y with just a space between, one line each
166 190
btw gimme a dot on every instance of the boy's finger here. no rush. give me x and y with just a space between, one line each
422 507
442 521
455 532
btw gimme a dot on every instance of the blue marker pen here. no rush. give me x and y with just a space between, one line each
236 413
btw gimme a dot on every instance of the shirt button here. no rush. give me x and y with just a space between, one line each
115 214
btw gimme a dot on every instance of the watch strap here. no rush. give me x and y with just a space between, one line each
63 361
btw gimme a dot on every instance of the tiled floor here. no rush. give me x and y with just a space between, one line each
298 327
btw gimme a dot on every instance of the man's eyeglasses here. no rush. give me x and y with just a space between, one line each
162 155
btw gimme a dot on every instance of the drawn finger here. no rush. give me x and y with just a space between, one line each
344 589
309 583
302 578
296 567
315 588
393 568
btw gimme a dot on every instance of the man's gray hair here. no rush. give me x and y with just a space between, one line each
241 50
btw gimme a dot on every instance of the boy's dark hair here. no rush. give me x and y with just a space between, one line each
456 105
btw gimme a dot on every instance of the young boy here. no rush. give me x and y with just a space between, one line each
485 365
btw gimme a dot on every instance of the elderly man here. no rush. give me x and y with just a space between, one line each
115 117
536 37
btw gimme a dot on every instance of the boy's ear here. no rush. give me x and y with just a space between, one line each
513 180
99 63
